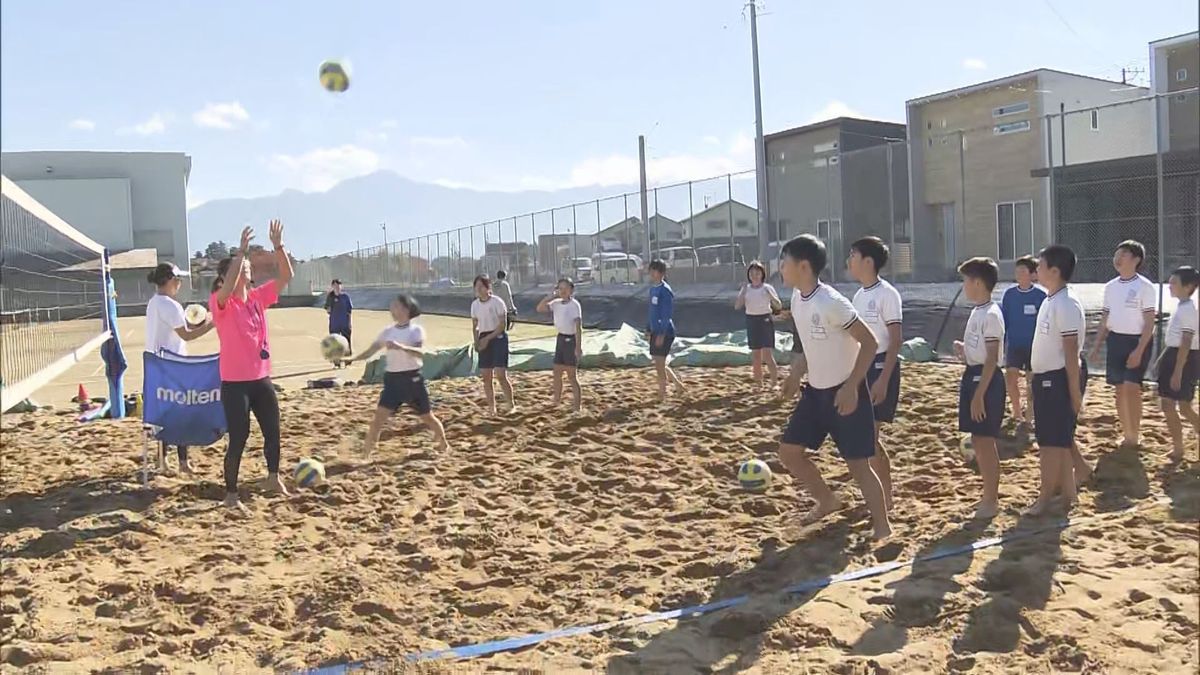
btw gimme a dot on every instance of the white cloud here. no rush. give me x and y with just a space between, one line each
831 110
322 168
155 125
974 64
82 125
438 141
221 115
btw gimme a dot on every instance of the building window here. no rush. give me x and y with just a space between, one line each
1011 128
825 232
1095 120
1014 229
1181 75
1011 109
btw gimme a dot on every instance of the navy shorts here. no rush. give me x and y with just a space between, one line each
1191 375
760 331
564 350
886 410
993 403
405 388
665 348
815 417
1120 346
495 355
1019 357
1054 417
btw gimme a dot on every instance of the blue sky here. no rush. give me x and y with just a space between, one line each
510 95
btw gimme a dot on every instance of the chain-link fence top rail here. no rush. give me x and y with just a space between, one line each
51 291
1004 187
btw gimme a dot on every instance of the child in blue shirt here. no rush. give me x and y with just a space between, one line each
1020 309
660 329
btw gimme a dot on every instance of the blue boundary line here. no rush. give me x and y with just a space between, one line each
509 644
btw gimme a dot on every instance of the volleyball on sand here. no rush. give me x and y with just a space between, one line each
334 76
334 347
309 472
754 475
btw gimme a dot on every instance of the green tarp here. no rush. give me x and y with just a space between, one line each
624 347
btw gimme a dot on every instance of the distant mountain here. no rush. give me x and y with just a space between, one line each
325 223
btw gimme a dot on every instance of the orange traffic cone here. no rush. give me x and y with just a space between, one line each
82 397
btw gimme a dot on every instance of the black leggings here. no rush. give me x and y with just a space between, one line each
239 399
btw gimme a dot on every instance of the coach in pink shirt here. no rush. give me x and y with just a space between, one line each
239 312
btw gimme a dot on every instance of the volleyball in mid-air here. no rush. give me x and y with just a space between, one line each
334 76
195 314
754 475
334 347
309 472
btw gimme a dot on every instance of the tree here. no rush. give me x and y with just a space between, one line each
217 250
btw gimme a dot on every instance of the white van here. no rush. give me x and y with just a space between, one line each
618 268
679 257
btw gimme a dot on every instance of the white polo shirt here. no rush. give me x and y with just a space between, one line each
1184 318
822 320
565 313
758 300
398 360
163 316
984 326
1125 304
879 306
1061 315
490 315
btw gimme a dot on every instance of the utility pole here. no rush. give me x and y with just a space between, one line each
645 203
760 149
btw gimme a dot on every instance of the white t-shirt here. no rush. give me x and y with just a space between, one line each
984 326
163 316
1184 318
1061 315
1126 301
398 360
758 300
565 313
879 306
491 314
504 292
822 320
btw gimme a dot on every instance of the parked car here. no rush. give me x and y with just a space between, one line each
721 254
579 269
679 257
626 269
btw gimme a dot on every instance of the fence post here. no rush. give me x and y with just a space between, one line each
1052 213
729 210
891 203
574 237
628 244
596 247
692 232
533 232
657 220
1160 212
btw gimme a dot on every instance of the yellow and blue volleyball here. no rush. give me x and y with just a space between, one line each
309 472
334 76
754 475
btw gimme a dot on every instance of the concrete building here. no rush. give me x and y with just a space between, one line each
840 179
1175 69
126 201
629 236
973 150
712 226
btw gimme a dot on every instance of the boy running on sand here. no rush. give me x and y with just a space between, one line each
660 328
568 348
1126 329
879 306
1179 365
1059 380
1020 307
835 401
981 391
402 381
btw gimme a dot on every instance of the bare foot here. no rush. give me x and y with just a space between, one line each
1176 456
273 485
882 531
443 446
820 511
1038 508
986 510
492 410
233 503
